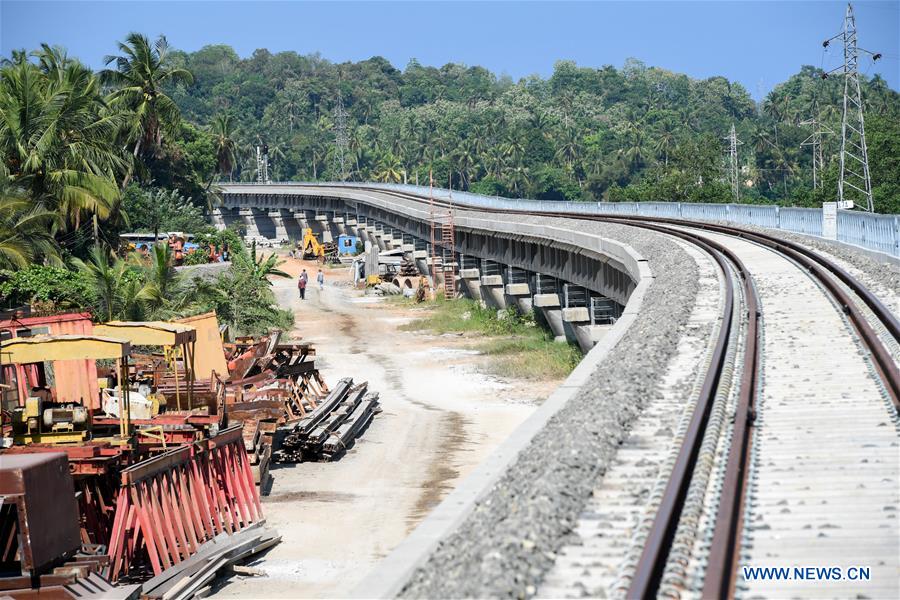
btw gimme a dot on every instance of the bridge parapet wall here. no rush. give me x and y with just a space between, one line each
873 232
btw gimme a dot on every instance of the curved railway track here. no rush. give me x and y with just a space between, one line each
810 312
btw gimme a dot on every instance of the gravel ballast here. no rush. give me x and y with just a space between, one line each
882 277
507 544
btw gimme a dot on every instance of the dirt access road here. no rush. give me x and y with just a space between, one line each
441 417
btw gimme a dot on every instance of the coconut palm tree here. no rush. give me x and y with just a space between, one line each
569 148
55 138
142 72
25 229
466 161
388 168
116 287
223 131
666 141
164 294
495 161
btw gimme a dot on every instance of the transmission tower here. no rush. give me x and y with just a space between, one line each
341 139
815 140
262 163
733 170
855 184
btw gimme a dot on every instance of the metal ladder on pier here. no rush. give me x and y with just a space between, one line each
448 256
443 245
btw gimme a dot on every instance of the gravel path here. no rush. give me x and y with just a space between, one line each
507 544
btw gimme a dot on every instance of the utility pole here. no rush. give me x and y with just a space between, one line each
733 170
815 140
262 163
855 183
341 138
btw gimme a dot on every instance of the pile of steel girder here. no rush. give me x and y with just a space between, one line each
326 431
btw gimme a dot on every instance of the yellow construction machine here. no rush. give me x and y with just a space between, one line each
310 248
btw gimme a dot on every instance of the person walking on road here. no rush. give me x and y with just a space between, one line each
301 284
321 279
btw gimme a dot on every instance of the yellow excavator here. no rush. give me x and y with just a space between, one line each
310 248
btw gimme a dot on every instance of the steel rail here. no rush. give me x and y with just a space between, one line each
725 548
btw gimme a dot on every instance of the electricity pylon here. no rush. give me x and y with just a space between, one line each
815 140
262 163
733 170
341 139
855 183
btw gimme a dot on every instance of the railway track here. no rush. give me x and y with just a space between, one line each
805 471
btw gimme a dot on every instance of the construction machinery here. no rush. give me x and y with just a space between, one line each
311 248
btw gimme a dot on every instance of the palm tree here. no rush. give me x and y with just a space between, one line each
388 169
495 161
634 152
569 148
142 72
223 131
55 138
115 286
666 141
165 294
466 161
518 180
24 230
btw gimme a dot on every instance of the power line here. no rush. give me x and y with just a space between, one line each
855 183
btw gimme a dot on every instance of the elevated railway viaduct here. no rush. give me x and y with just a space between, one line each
736 407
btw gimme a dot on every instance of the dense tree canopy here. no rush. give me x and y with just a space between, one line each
635 133
84 156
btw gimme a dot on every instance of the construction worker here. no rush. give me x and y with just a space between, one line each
321 279
301 285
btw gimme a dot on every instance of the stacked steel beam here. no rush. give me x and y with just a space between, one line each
326 432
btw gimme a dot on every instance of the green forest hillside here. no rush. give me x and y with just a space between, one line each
635 133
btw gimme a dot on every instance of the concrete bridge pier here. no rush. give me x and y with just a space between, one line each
421 258
296 223
577 322
352 226
492 284
389 239
548 308
249 220
367 231
518 290
338 222
471 279
277 219
520 294
362 230
320 222
218 218
378 237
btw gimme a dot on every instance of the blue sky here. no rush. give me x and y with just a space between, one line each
756 43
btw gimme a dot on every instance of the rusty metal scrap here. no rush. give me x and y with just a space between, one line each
39 510
171 504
